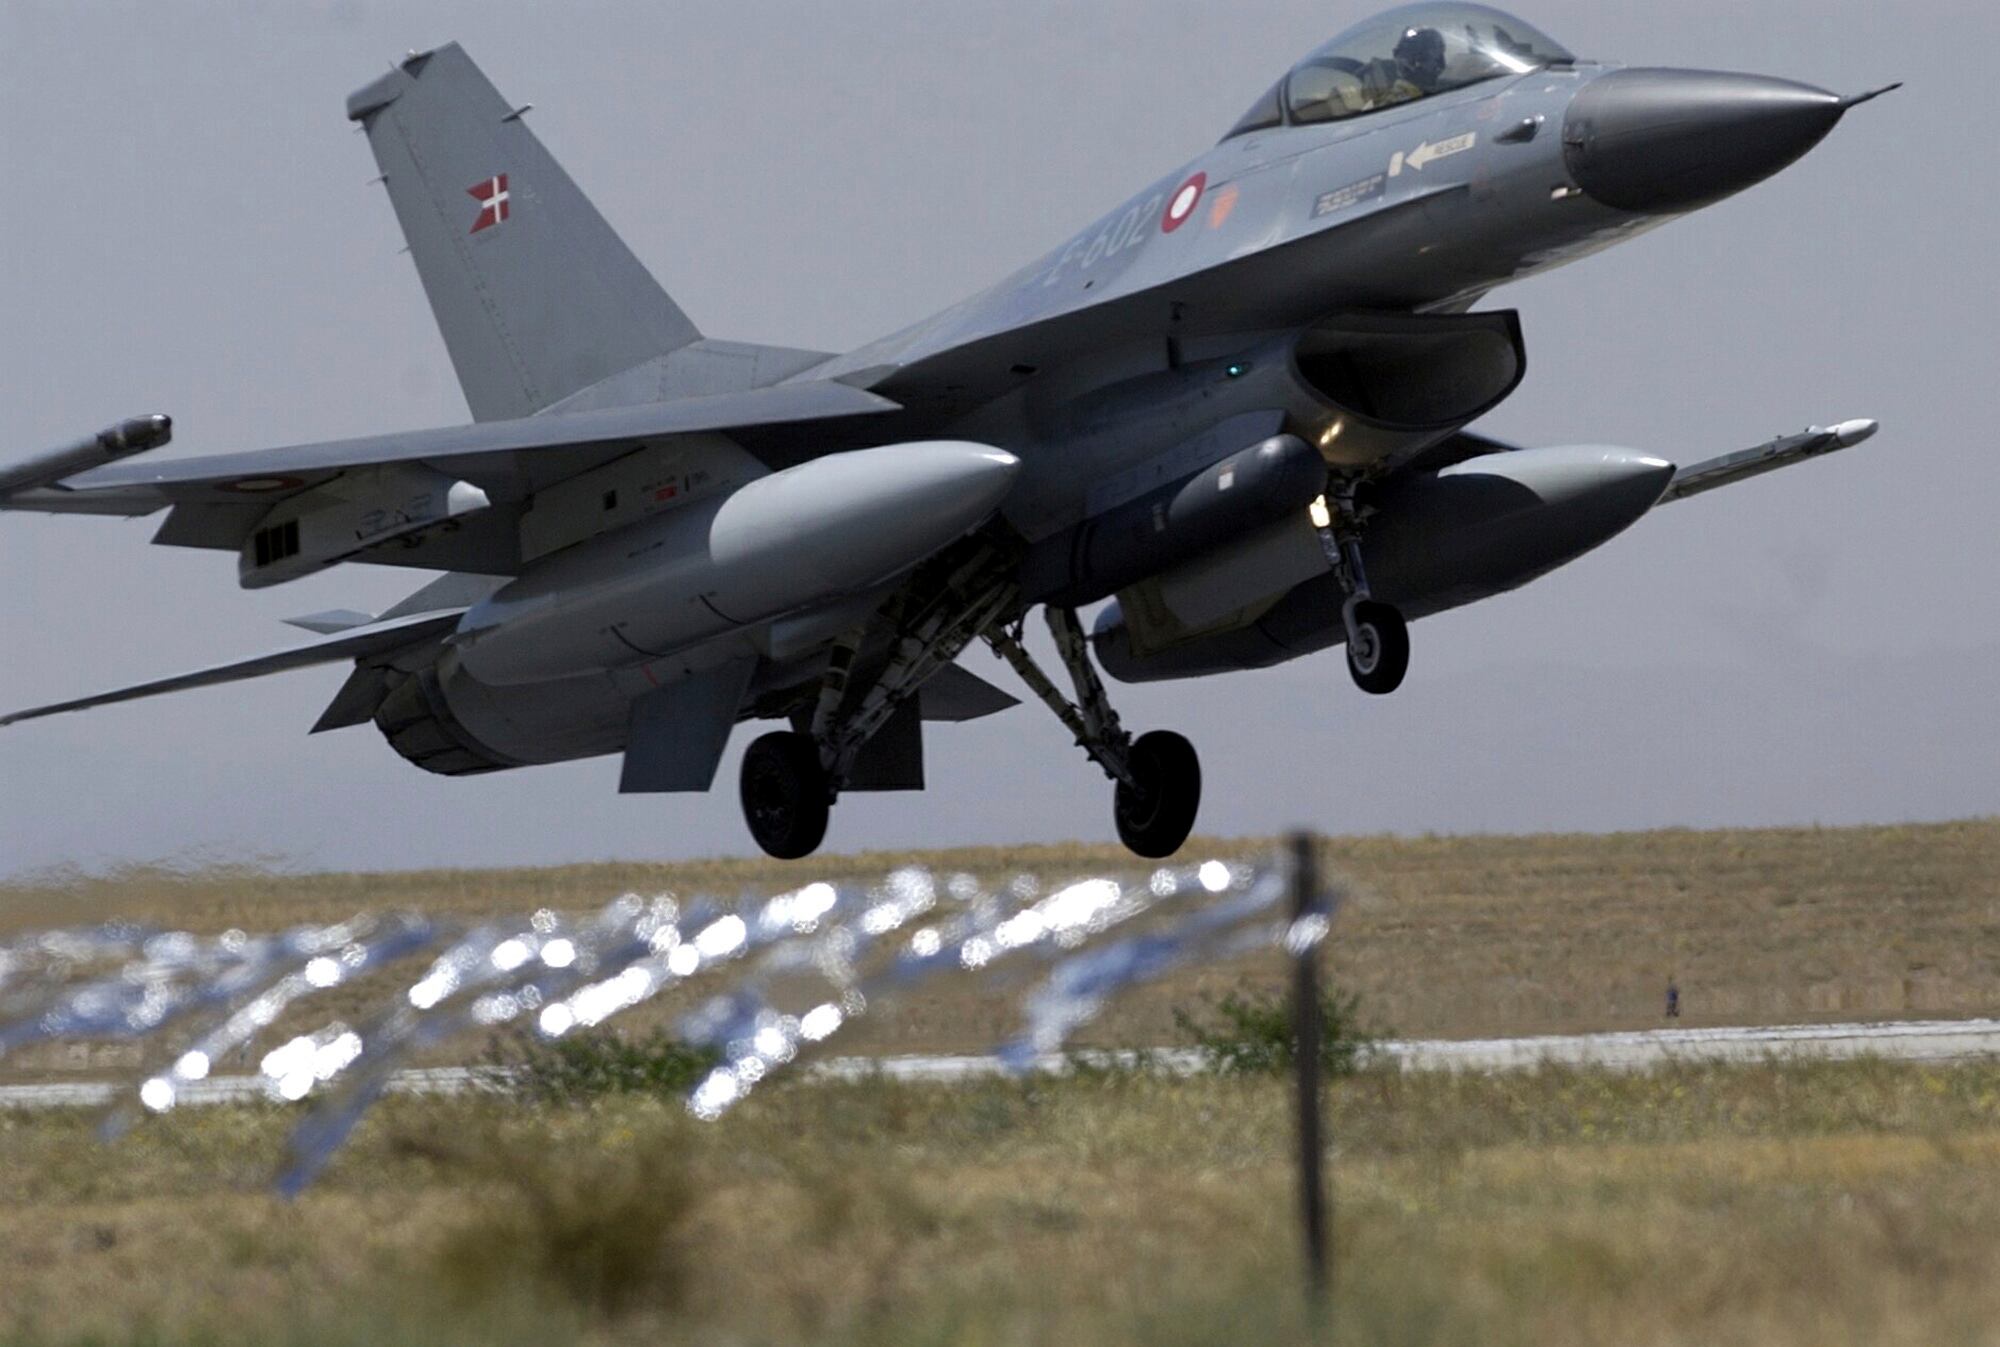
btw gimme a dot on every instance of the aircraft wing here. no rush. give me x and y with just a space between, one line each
508 459
375 639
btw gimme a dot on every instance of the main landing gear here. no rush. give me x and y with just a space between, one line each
792 778
1158 775
787 796
1378 639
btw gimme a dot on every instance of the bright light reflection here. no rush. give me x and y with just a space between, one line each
721 937
1076 905
157 1094
813 902
1024 928
330 1059
632 951
1306 932
434 988
818 1024
715 1094
283 1061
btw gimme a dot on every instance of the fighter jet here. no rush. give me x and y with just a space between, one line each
1235 406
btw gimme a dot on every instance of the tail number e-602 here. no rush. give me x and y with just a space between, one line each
1115 237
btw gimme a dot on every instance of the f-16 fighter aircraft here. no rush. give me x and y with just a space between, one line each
1236 404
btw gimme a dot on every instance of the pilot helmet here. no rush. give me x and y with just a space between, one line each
1420 54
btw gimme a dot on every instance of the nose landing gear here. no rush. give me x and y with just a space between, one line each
1158 775
1378 646
1378 639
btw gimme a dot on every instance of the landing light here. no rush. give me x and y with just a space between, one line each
1322 517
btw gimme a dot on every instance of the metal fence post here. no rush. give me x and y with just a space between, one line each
1307 903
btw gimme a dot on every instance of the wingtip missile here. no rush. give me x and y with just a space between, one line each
138 434
1782 452
134 435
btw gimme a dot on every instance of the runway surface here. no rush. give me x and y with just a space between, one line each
1909 1041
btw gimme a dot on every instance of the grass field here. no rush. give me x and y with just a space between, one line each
1447 937
1770 1205
1777 1204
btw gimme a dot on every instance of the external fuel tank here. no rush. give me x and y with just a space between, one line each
828 528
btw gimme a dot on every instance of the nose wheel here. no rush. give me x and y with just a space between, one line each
1157 776
1378 647
787 797
1378 638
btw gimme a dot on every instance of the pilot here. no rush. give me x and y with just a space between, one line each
1419 62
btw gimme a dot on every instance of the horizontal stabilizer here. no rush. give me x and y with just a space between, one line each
1779 453
332 621
377 639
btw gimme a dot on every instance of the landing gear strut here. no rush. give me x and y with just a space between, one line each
1158 775
1378 639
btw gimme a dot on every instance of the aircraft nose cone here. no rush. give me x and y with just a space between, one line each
1659 142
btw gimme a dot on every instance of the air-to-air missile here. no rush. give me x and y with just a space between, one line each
134 436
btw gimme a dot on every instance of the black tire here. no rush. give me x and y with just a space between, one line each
785 796
1155 818
1381 657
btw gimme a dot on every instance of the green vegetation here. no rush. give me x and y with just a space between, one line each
1246 1033
1776 1205
591 1064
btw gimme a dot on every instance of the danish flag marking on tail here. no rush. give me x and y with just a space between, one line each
492 198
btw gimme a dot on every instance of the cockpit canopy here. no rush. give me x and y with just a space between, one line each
1401 56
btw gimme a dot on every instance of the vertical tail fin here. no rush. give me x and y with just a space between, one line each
535 295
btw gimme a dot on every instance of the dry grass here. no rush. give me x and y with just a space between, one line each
1827 1204
1779 1205
1443 936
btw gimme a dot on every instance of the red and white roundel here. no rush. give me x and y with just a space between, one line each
1181 206
258 486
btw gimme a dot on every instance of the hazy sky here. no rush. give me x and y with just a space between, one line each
187 228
